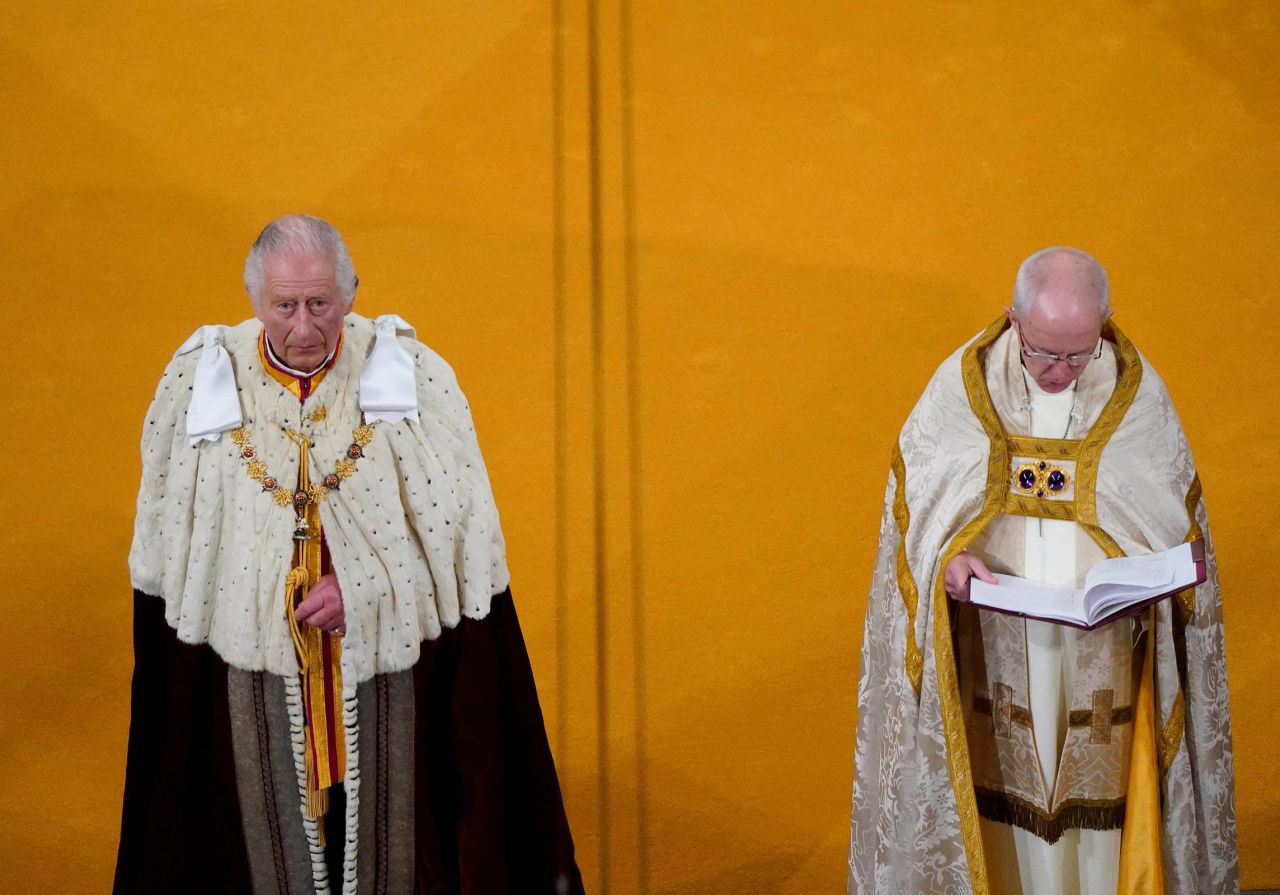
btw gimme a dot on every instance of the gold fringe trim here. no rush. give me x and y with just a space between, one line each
1090 814
316 800
906 582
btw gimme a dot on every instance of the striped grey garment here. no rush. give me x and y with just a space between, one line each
285 855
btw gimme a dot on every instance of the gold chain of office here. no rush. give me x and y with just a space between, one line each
315 492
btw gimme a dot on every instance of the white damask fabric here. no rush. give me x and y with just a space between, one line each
915 826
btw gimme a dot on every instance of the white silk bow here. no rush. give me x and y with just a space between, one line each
388 387
215 402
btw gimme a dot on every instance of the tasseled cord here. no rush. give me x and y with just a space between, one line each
318 666
317 799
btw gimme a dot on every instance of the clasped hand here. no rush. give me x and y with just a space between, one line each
323 606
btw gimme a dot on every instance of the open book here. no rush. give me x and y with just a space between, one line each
1112 589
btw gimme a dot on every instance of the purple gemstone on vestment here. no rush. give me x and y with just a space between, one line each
1057 481
1026 479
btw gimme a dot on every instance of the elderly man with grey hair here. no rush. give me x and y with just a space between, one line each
331 692
1002 754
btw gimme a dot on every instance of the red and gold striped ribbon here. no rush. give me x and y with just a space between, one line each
319 661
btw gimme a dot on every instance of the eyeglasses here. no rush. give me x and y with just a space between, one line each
1075 361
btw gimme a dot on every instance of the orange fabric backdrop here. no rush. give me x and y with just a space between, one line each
693 263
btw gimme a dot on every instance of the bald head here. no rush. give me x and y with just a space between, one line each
1063 277
1060 303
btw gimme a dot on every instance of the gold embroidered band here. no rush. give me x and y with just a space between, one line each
906 581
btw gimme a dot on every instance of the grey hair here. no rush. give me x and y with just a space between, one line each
1030 280
299 234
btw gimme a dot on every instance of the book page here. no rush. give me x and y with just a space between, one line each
1111 586
1118 582
1028 597
1134 571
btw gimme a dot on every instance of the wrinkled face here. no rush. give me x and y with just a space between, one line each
1070 332
301 308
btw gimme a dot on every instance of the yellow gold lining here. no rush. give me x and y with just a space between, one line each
957 743
1171 733
1194 494
1140 871
906 583
1105 541
1187 598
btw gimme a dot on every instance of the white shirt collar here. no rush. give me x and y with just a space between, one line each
290 370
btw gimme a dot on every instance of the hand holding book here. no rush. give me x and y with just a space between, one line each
1113 588
963 567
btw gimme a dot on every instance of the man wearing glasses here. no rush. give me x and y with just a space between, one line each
997 754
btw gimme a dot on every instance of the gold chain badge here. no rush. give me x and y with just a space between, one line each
315 492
